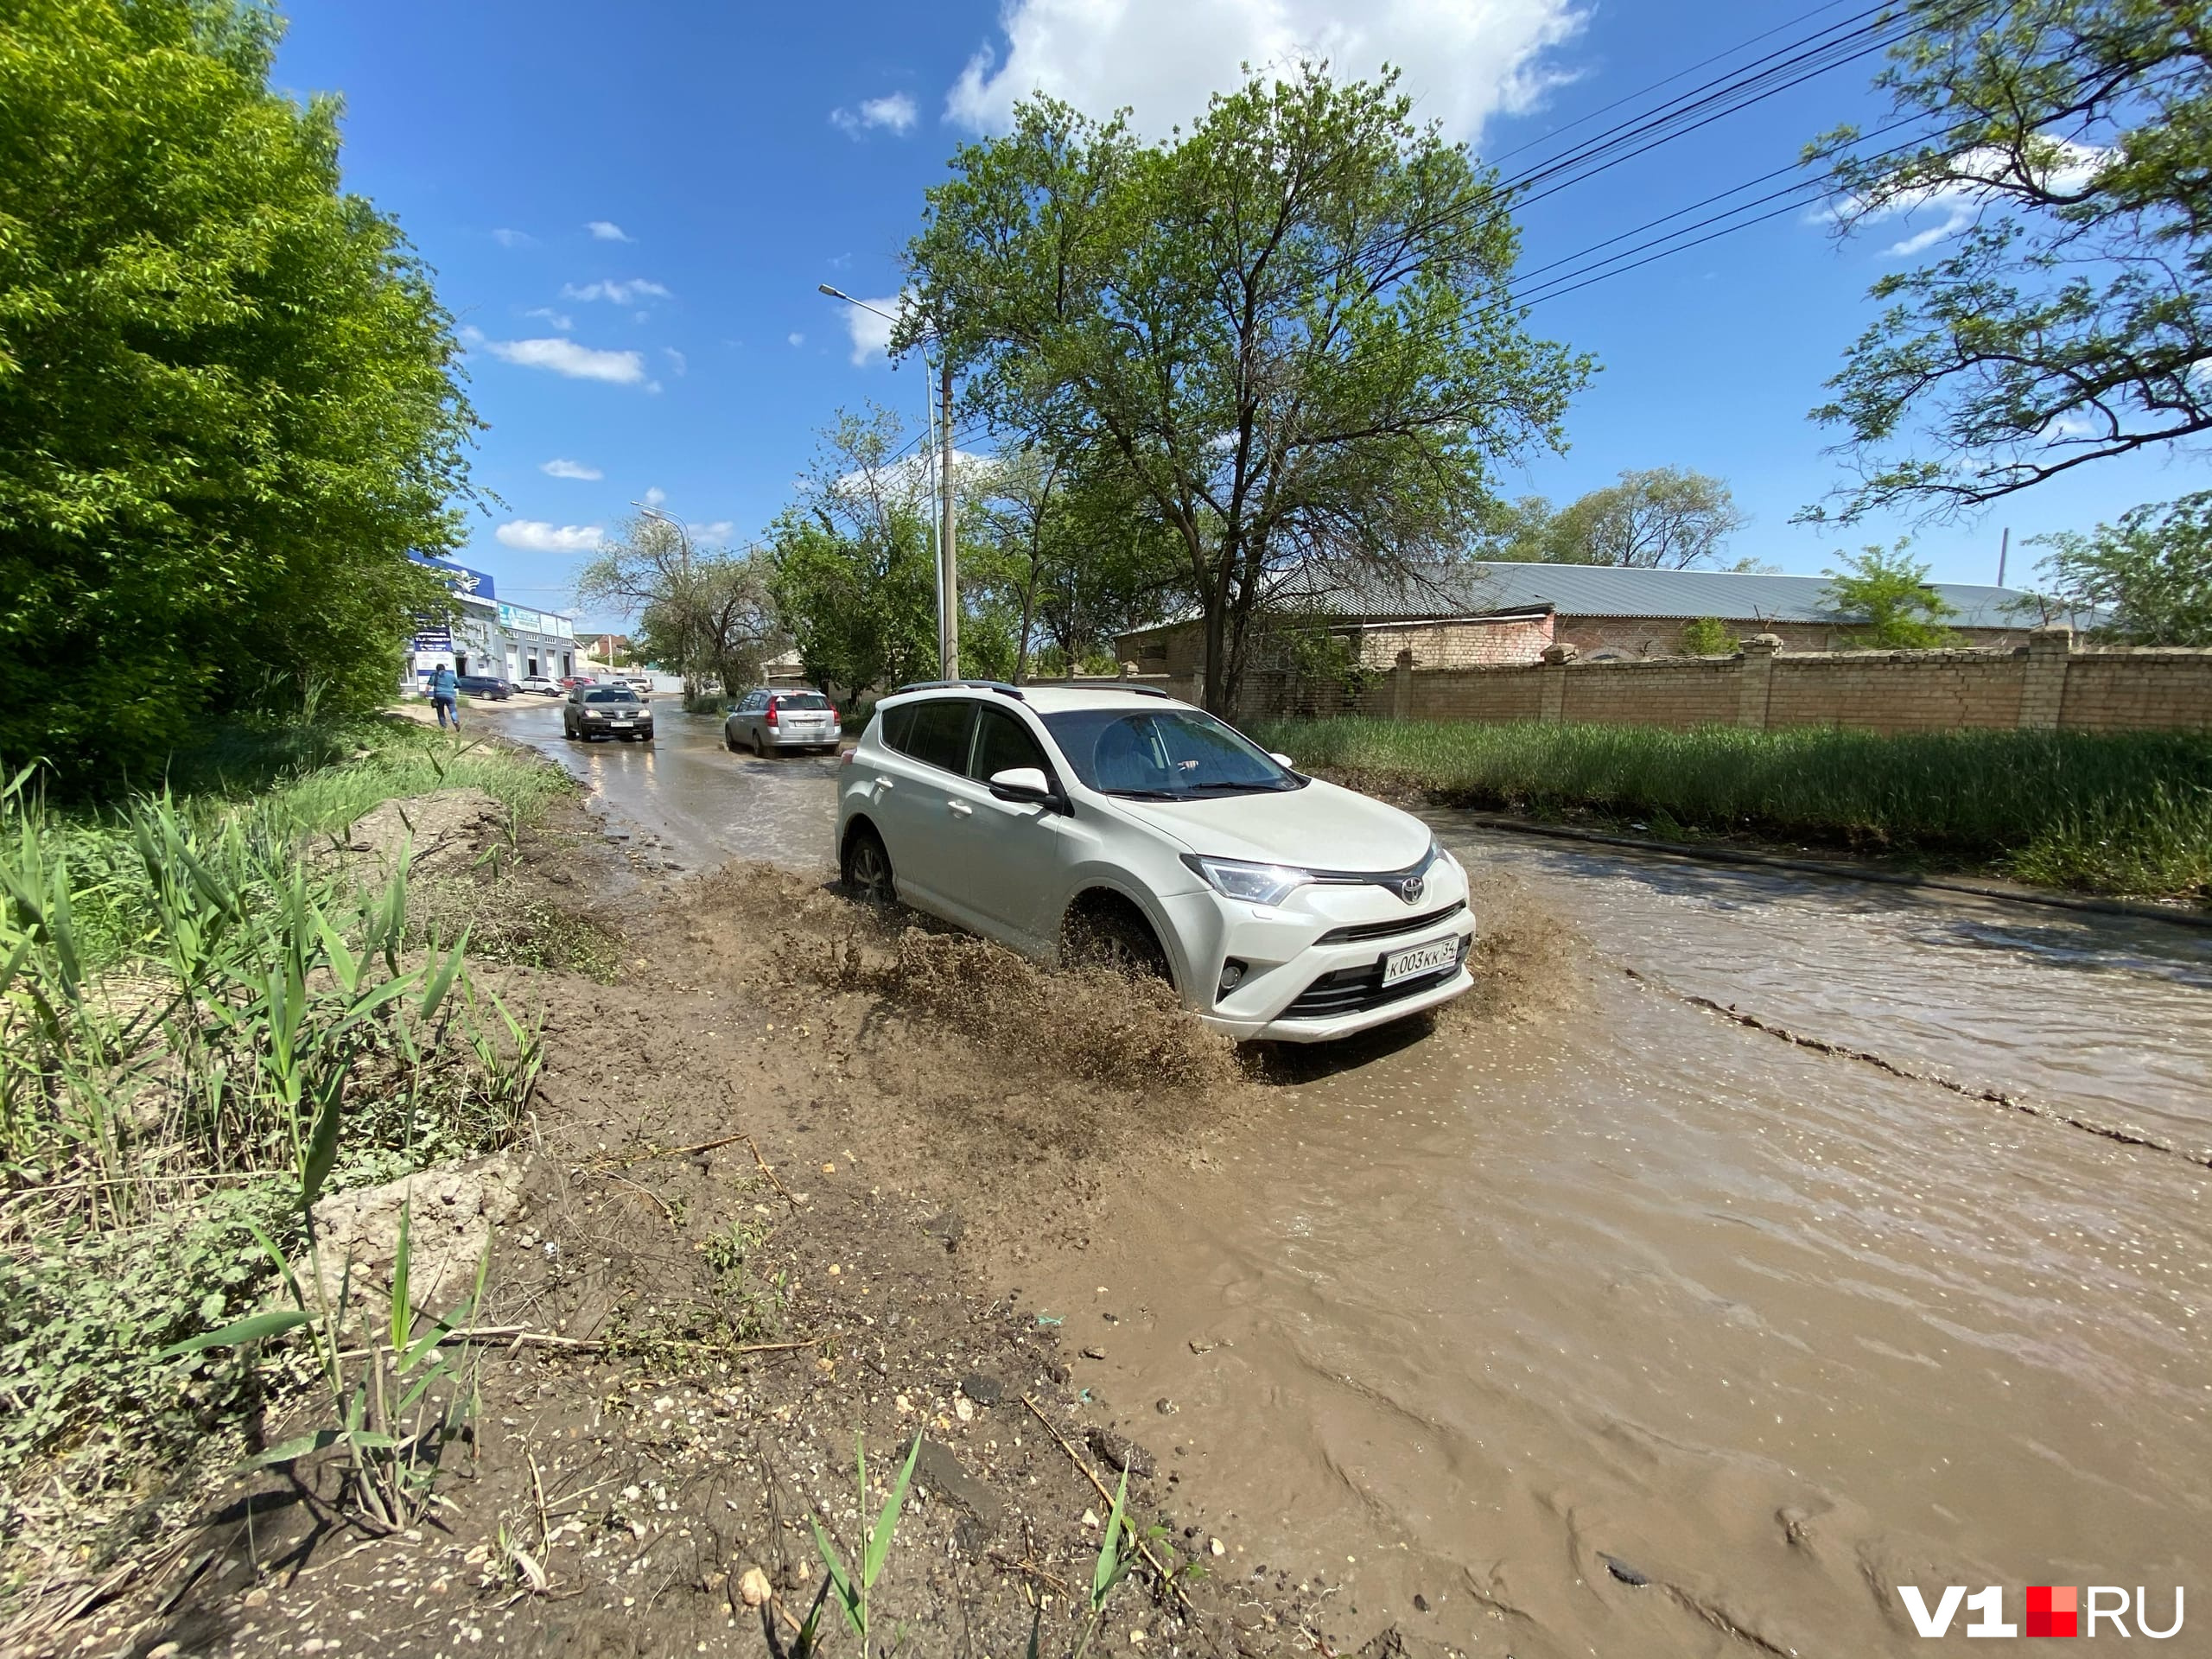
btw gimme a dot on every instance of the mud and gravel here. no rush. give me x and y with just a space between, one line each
1590 1316
766 1162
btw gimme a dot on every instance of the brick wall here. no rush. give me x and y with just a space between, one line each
2046 682
2138 690
1455 645
1898 690
1673 692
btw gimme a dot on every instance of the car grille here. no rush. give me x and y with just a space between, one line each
1354 990
1390 928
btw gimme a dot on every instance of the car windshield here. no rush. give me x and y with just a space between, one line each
623 696
1167 754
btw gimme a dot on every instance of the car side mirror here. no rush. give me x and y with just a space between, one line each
1282 760
1022 784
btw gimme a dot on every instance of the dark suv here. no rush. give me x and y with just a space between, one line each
486 685
606 711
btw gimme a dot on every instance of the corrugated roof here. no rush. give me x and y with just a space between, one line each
1479 587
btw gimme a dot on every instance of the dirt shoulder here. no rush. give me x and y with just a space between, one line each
776 1140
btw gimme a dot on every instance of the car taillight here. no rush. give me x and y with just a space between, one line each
848 757
772 711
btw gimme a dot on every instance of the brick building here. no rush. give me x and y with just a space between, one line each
1491 613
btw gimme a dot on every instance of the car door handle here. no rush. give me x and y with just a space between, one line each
960 808
882 782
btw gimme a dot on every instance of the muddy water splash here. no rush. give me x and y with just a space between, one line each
1592 1285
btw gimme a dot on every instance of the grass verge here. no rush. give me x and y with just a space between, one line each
2126 813
196 1007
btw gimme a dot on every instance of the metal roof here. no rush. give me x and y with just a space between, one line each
1479 587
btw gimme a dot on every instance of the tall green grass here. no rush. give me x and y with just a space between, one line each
198 1014
2124 813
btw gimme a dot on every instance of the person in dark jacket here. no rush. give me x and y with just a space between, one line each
445 697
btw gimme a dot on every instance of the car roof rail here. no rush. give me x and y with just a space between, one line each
999 686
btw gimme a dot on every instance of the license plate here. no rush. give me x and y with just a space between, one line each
621 722
1420 959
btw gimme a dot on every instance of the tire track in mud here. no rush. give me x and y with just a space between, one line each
2123 1136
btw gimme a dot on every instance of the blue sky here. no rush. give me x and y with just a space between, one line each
630 211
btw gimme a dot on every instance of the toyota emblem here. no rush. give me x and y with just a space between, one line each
1410 889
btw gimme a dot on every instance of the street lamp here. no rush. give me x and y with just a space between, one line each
948 557
684 539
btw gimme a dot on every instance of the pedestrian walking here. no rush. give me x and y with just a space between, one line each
445 697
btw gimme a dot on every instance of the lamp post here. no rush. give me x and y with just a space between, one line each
684 537
947 558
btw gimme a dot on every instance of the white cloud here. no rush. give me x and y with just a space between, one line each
796 339
893 112
565 357
620 293
558 468
2070 167
536 535
676 360
654 496
720 529
508 239
560 320
871 332
1464 60
604 232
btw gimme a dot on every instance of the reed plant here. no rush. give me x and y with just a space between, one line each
2121 812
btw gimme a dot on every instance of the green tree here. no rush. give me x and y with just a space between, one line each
1658 519
1888 593
852 564
2146 581
228 406
1708 636
705 613
2071 140
1290 330
1068 558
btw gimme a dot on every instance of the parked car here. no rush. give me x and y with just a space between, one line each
538 685
640 683
606 711
1076 823
571 682
486 685
766 720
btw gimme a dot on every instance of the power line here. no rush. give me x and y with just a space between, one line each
1557 293
1699 107
1629 97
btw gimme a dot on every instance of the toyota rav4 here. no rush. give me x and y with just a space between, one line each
1073 823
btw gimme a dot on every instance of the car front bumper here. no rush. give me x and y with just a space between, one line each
1304 982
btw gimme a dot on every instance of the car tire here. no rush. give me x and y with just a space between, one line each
759 747
1114 935
866 867
729 739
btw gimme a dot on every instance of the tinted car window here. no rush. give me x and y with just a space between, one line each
898 726
938 733
802 700
623 696
1171 754
1002 743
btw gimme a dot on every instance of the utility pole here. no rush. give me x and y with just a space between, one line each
948 559
948 574
2003 548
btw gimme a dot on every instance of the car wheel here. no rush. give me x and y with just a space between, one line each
1114 935
729 739
759 747
867 867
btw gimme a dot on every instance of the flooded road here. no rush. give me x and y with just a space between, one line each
1604 1323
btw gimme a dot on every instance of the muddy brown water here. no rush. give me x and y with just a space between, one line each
1469 1310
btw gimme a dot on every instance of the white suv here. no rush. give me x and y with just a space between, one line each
1064 819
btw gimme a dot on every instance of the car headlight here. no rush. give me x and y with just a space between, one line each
1257 884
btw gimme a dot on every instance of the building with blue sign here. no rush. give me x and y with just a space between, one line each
489 636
